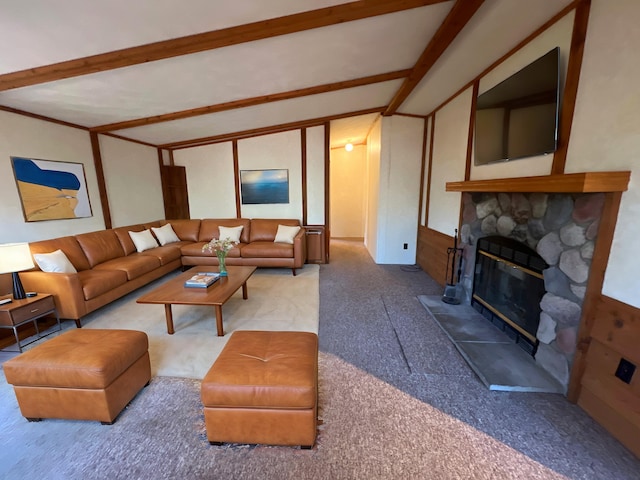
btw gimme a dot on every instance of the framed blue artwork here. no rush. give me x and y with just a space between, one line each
51 190
264 186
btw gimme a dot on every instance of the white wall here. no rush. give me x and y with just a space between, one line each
27 137
132 178
276 151
400 165
315 176
449 161
347 191
374 146
210 180
606 129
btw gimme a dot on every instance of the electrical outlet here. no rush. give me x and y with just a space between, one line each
625 370
406 245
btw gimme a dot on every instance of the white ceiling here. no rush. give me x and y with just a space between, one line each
43 33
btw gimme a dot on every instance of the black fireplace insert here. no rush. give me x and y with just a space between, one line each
508 286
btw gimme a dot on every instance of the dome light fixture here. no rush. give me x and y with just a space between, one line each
348 147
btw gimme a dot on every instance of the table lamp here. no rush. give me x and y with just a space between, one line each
14 258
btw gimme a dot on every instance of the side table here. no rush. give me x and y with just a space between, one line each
30 309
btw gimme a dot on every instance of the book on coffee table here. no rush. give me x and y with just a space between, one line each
202 280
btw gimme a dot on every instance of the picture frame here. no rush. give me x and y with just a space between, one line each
264 186
51 189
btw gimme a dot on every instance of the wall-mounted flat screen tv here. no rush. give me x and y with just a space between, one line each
518 118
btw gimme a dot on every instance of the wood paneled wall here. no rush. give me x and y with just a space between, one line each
432 253
610 401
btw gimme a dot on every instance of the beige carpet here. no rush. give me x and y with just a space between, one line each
277 301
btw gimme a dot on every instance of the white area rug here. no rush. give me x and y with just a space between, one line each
277 301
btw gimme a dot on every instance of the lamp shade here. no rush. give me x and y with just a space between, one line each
15 257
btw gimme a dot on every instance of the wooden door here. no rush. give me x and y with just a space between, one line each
174 192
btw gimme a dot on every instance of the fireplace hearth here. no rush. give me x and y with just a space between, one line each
508 287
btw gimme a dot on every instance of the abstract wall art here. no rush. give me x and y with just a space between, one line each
51 190
264 186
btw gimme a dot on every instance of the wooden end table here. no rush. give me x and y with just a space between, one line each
30 309
173 292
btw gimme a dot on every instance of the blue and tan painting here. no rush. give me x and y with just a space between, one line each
51 190
264 186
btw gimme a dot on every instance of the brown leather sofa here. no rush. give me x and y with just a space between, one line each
108 265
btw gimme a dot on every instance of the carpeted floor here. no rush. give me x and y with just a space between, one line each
396 401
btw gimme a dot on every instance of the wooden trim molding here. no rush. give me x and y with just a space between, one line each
256 132
571 85
249 102
201 42
303 167
236 177
427 204
588 182
327 191
455 21
102 186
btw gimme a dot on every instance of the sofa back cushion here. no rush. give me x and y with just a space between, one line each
70 247
125 239
100 246
186 229
265 229
209 228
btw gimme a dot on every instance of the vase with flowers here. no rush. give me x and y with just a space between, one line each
221 247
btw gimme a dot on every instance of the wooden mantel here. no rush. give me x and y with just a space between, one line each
587 182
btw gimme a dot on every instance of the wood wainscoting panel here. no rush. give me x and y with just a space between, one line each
610 401
432 253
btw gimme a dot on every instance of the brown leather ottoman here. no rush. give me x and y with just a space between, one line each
263 388
82 375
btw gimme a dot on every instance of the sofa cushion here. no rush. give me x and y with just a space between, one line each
195 250
96 282
133 265
143 240
286 234
56 262
125 239
232 233
267 250
165 234
264 229
186 229
70 247
100 246
210 228
166 254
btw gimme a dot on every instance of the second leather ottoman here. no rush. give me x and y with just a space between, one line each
83 374
263 388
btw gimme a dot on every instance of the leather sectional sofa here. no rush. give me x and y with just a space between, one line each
109 266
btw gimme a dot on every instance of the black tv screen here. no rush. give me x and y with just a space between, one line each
519 117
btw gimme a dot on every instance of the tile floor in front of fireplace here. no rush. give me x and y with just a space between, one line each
493 356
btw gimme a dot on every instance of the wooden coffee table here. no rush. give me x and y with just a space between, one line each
174 292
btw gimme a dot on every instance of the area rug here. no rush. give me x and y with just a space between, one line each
277 301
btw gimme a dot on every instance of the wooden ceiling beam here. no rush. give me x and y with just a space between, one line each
255 132
249 102
225 37
455 21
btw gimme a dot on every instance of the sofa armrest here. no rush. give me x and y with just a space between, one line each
65 288
300 248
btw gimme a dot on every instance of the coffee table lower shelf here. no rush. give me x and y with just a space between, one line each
173 292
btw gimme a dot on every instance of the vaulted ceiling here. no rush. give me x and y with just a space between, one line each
176 74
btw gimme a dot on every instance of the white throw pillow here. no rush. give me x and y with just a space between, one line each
165 234
286 234
54 262
232 233
143 240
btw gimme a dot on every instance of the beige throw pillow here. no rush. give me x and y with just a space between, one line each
232 233
165 234
143 240
286 234
54 262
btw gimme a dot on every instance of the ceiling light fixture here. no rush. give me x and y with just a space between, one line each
348 147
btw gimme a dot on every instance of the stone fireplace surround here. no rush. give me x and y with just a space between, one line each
562 228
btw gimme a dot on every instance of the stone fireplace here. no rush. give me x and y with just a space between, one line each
561 228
